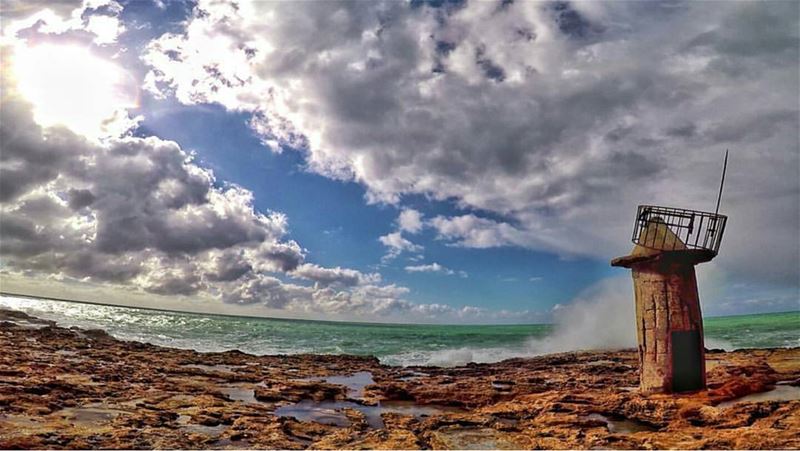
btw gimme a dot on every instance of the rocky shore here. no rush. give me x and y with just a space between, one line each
71 388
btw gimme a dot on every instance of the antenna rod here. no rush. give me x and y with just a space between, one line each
721 183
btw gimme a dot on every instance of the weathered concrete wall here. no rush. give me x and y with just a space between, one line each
666 301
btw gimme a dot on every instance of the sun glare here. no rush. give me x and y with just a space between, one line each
69 86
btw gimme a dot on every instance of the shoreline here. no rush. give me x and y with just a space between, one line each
392 344
74 388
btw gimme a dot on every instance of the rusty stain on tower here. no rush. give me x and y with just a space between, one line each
669 242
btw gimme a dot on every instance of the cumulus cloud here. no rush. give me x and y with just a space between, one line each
333 276
410 220
99 19
547 122
135 210
147 217
140 215
473 231
396 245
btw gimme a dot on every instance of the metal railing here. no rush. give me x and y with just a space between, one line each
669 229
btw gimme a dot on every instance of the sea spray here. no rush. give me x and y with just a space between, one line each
600 317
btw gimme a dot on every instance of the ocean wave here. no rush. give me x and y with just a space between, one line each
453 356
599 319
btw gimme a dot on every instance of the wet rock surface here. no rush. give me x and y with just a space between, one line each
71 388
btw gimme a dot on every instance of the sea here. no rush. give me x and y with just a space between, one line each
393 344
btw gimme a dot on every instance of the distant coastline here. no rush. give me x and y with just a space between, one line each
275 318
392 343
271 318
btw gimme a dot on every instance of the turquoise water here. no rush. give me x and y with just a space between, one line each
394 344
756 331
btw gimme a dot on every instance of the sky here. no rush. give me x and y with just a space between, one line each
421 161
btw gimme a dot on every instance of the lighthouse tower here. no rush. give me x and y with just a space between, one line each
668 243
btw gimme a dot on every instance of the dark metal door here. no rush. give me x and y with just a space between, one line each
687 366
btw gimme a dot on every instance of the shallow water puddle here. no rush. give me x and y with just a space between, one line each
318 412
779 393
185 421
240 393
226 443
89 416
220 367
355 383
330 412
621 426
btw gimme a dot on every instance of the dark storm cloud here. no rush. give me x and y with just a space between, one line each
561 116
571 22
752 128
755 30
27 160
283 256
139 215
228 266
129 210
79 198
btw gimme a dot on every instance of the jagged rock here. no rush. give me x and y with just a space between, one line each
83 389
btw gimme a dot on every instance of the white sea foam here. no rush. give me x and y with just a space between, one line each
454 356
717 343
601 317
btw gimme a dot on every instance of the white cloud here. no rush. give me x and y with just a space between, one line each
410 220
138 215
557 118
106 29
396 245
99 18
546 124
334 276
473 231
432 267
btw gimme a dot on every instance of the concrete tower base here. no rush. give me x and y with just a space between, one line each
668 320
669 326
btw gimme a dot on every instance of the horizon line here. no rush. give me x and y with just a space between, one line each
275 318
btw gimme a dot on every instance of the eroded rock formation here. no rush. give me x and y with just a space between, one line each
70 388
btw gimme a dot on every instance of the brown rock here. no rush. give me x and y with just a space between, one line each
70 389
